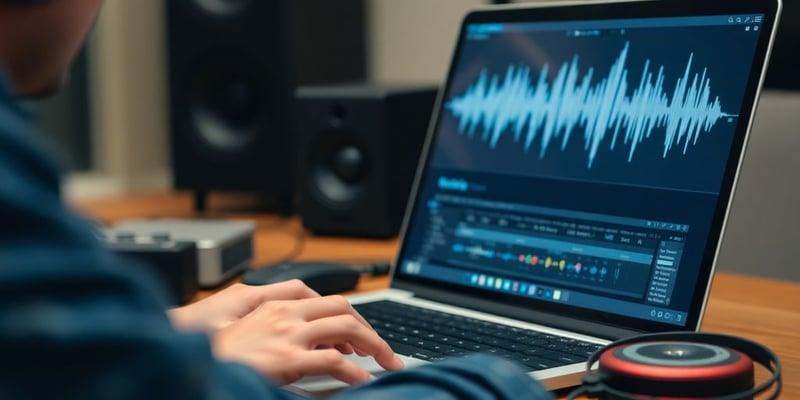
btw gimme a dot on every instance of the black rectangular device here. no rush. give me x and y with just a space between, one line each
173 263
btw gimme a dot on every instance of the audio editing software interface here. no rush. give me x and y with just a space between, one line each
581 163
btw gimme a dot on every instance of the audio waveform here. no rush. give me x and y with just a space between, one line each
553 110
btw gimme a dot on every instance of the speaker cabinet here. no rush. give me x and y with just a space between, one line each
233 68
359 146
232 83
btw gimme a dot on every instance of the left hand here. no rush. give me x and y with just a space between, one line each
232 303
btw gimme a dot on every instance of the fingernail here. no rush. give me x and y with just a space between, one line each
366 376
399 363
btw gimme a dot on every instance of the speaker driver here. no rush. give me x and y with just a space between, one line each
348 164
227 104
680 369
223 7
339 168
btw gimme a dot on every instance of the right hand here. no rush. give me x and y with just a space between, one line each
286 340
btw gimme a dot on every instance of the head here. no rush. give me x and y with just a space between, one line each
38 40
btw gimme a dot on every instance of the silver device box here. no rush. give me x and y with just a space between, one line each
224 247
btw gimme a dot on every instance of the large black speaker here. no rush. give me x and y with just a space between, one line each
359 146
233 68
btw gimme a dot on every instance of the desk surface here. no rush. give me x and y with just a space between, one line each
763 310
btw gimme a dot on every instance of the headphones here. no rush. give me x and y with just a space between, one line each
686 365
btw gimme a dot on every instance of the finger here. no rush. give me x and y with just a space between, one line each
346 329
330 306
360 352
345 348
328 362
294 289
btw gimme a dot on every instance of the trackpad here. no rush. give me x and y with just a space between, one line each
325 384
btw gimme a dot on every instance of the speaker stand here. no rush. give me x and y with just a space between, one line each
200 203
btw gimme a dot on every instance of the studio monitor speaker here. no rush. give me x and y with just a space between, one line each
233 69
359 146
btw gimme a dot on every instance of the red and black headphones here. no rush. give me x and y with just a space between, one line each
686 365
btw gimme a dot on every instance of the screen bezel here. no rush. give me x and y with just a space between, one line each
595 322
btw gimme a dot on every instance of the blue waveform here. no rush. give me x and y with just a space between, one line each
555 109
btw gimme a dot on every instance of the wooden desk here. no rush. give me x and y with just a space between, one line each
763 310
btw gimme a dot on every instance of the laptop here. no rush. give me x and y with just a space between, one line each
575 182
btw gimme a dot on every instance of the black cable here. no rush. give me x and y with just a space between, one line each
374 269
299 236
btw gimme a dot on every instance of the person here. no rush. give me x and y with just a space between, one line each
76 322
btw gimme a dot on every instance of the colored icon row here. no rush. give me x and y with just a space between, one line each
513 286
549 262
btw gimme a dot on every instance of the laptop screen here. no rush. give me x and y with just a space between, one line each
585 166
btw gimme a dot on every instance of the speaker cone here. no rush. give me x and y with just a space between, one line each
339 167
227 103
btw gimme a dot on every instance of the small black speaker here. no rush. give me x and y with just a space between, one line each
359 146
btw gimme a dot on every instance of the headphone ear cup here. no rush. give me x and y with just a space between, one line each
679 364
677 369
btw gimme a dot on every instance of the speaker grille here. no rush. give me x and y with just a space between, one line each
340 166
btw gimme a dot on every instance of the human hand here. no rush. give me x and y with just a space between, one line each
232 303
287 340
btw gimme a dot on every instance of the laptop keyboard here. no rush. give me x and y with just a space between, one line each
433 335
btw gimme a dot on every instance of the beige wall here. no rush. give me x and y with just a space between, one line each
130 85
129 101
762 234
412 40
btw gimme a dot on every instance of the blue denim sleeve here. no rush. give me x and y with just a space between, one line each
476 377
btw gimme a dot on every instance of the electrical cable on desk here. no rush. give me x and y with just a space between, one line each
373 268
298 236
